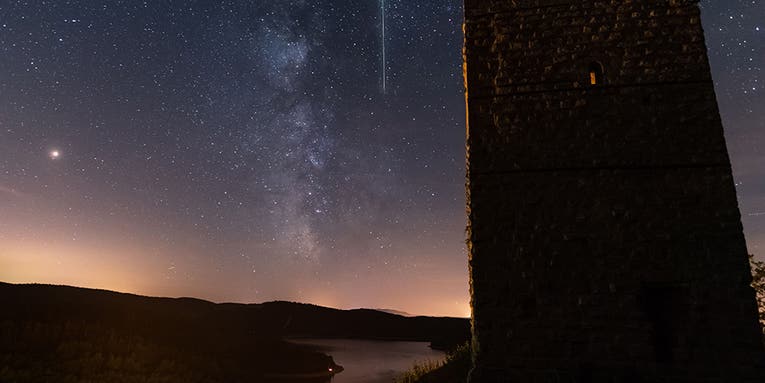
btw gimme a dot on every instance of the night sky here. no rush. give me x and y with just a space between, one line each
252 151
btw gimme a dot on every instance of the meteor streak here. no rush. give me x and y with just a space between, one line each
384 61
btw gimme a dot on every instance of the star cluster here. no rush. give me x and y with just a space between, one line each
247 151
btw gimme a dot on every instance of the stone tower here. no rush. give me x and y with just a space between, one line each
605 238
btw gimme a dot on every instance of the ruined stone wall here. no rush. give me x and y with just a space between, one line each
605 238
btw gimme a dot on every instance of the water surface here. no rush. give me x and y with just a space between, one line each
368 361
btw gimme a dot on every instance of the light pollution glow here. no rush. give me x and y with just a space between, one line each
88 255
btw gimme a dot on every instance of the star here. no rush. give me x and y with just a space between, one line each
54 154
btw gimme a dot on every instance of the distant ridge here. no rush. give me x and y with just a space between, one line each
281 318
193 299
396 312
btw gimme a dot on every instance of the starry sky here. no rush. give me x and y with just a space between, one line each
289 149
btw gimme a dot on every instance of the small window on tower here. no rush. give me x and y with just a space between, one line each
596 73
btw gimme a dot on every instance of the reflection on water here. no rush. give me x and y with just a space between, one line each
368 361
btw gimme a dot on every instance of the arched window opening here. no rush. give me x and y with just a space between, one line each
596 73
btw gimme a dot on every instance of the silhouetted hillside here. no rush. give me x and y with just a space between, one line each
298 320
396 312
76 334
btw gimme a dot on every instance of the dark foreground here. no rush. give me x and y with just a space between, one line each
66 334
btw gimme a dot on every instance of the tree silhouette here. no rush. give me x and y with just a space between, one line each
758 282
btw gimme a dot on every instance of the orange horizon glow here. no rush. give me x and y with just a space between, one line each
115 267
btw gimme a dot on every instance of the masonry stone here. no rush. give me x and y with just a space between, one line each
604 235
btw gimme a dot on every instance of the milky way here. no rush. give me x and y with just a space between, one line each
249 151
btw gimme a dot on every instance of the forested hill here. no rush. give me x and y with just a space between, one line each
273 319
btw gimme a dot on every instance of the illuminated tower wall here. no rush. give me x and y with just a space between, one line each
604 234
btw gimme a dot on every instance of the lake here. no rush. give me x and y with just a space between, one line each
369 361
